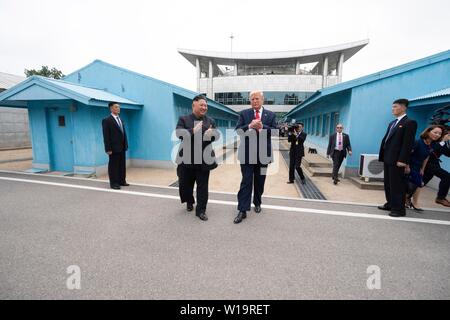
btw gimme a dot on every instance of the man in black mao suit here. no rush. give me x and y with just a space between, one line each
254 127
296 137
196 156
395 152
338 146
116 144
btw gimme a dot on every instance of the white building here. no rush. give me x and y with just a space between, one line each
287 77
14 131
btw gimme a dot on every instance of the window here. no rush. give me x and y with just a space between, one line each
318 125
61 121
334 122
326 125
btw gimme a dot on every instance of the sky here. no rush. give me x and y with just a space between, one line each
144 35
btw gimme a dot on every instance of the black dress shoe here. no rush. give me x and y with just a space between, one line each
290 182
125 184
241 216
189 207
335 182
384 207
258 209
203 216
397 214
115 187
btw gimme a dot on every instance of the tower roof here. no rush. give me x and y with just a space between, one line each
277 57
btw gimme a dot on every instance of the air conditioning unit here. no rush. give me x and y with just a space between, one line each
370 167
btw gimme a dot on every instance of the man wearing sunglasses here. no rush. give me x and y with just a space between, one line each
338 146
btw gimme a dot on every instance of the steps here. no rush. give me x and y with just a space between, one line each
371 185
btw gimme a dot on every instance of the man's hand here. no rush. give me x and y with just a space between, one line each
209 132
109 152
401 164
350 153
255 124
198 127
407 170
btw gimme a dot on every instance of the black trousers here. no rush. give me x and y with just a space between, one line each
444 175
338 158
251 178
295 163
395 185
117 168
187 177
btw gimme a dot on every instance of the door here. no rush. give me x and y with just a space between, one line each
59 124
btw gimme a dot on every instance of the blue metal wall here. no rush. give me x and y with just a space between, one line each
365 110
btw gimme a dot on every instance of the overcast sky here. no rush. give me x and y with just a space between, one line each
144 35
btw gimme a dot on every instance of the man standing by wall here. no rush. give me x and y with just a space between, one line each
197 131
338 146
255 152
395 152
297 138
116 144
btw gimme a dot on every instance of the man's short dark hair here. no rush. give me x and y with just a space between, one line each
301 124
199 97
403 102
112 103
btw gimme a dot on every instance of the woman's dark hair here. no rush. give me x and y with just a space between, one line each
424 134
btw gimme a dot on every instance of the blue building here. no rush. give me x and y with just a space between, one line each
363 105
65 117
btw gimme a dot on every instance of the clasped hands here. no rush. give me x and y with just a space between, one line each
256 124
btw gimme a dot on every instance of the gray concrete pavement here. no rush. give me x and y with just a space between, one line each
132 246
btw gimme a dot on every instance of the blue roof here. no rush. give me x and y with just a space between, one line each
436 94
176 89
371 78
86 95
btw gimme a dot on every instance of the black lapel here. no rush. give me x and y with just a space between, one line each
397 126
115 122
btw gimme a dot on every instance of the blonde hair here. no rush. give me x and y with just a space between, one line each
256 92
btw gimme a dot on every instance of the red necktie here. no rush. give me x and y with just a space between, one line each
257 114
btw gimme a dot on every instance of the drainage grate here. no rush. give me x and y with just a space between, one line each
308 190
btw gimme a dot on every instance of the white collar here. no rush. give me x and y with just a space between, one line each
400 118
115 117
260 110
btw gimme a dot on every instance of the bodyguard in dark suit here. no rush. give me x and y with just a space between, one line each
115 140
338 146
296 137
255 152
395 152
196 156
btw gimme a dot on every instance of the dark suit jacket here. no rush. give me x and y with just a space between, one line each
113 138
297 144
437 152
188 123
346 146
399 145
268 119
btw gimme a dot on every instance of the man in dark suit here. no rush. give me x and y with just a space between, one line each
338 146
116 144
296 137
255 152
395 152
196 156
